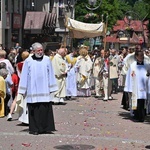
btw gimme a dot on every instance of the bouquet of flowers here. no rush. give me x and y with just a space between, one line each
91 17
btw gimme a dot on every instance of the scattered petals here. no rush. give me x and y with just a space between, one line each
26 144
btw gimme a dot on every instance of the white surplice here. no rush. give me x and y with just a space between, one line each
37 80
71 83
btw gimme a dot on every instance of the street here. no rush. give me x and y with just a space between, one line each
81 124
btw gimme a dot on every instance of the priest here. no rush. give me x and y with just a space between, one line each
37 82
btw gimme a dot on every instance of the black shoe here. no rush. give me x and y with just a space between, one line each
55 103
68 97
62 103
96 96
34 133
24 124
141 120
46 132
142 116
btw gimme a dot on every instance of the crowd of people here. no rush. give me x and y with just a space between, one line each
31 81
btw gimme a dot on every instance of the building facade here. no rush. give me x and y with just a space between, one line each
27 21
124 35
10 22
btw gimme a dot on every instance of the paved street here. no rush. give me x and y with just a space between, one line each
81 124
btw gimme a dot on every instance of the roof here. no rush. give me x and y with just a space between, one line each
136 25
135 39
39 20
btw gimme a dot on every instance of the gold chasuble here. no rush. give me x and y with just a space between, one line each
71 61
2 95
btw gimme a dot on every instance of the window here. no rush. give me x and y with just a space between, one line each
6 5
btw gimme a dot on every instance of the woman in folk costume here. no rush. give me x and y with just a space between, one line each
19 103
84 65
21 106
3 75
137 84
106 77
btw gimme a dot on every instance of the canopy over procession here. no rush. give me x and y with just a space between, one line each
82 30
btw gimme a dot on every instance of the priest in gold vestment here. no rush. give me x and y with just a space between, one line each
2 91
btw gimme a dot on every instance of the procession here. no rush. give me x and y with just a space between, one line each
74 73
68 74
63 76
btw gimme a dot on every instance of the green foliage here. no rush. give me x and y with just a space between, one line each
140 8
114 9
147 3
131 2
143 9
80 10
86 42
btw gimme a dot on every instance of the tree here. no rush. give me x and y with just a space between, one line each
147 2
131 2
80 10
140 7
115 10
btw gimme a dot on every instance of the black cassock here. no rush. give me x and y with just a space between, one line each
41 119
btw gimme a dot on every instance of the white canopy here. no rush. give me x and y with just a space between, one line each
85 30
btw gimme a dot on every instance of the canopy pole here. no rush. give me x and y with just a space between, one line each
65 36
105 32
64 40
108 57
